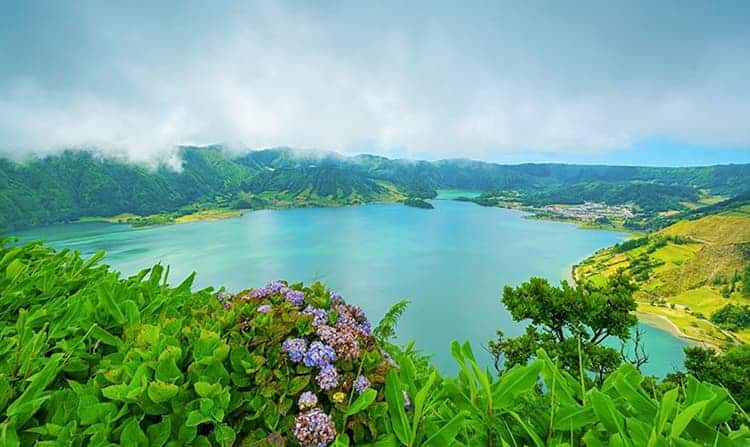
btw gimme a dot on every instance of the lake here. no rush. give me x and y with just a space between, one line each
451 262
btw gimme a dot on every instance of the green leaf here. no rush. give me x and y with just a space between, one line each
107 301
605 410
667 407
574 417
362 402
116 392
196 418
132 435
342 440
520 379
159 434
105 337
684 417
167 370
395 398
225 435
447 433
31 398
384 441
591 440
14 269
132 315
205 389
298 383
159 391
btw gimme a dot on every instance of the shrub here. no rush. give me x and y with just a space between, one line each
732 316
89 358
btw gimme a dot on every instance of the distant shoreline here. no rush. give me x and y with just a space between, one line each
665 324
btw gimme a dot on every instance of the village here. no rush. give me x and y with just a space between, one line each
589 211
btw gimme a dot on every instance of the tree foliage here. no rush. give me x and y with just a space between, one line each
732 316
568 322
728 369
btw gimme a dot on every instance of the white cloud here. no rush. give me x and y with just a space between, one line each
437 81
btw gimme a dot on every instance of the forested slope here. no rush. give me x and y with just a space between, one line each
77 184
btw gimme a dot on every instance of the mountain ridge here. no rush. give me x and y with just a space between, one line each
76 184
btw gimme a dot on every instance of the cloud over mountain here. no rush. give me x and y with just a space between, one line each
428 79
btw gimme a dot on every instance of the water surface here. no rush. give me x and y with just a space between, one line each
451 262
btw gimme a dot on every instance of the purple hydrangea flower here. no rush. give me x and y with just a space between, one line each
366 327
275 287
295 297
361 383
343 338
335 298
221 296
314 428
319 355
328 377
272 288
264 309
307 400
260 293
227 305
295 348
320 316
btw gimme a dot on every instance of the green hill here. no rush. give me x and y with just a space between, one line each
319 186
80 184
688 271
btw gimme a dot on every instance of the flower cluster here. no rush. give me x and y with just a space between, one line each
272 288
296 348
307 400
335 298
264 308
314 428
328 377
319 355
351 326
295 297
343 338
320 316
361 383
339 332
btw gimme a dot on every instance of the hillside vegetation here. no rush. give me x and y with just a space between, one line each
689 273
91 358
80 184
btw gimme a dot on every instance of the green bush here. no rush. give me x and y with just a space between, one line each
90 358
732 316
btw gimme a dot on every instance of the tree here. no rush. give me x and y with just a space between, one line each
570 322
729 369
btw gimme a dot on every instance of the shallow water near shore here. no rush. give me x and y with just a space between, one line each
451 262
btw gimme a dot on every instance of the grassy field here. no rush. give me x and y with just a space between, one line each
212 214
685 272
729 228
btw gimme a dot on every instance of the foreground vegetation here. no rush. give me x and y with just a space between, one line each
91 358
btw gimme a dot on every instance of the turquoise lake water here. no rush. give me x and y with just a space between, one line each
451 262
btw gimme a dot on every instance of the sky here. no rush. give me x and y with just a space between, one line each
620 82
